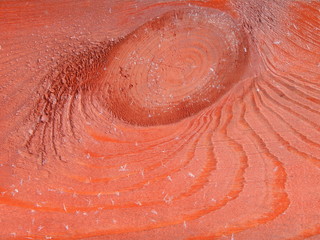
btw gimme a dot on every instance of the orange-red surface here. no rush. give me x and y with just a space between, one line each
129 119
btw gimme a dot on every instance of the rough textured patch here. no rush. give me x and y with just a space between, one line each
160 119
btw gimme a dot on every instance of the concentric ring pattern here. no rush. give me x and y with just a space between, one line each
160 120
173 66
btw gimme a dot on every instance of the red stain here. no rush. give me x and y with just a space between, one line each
159 120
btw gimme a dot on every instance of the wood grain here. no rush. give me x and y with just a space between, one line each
160 119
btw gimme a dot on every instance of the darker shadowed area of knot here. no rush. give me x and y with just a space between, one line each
54 112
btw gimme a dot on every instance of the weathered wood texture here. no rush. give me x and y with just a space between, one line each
160 119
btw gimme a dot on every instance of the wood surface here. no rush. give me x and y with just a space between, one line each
158 119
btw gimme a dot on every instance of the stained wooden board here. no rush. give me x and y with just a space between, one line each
160 120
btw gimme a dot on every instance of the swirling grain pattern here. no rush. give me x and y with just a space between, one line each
160 119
